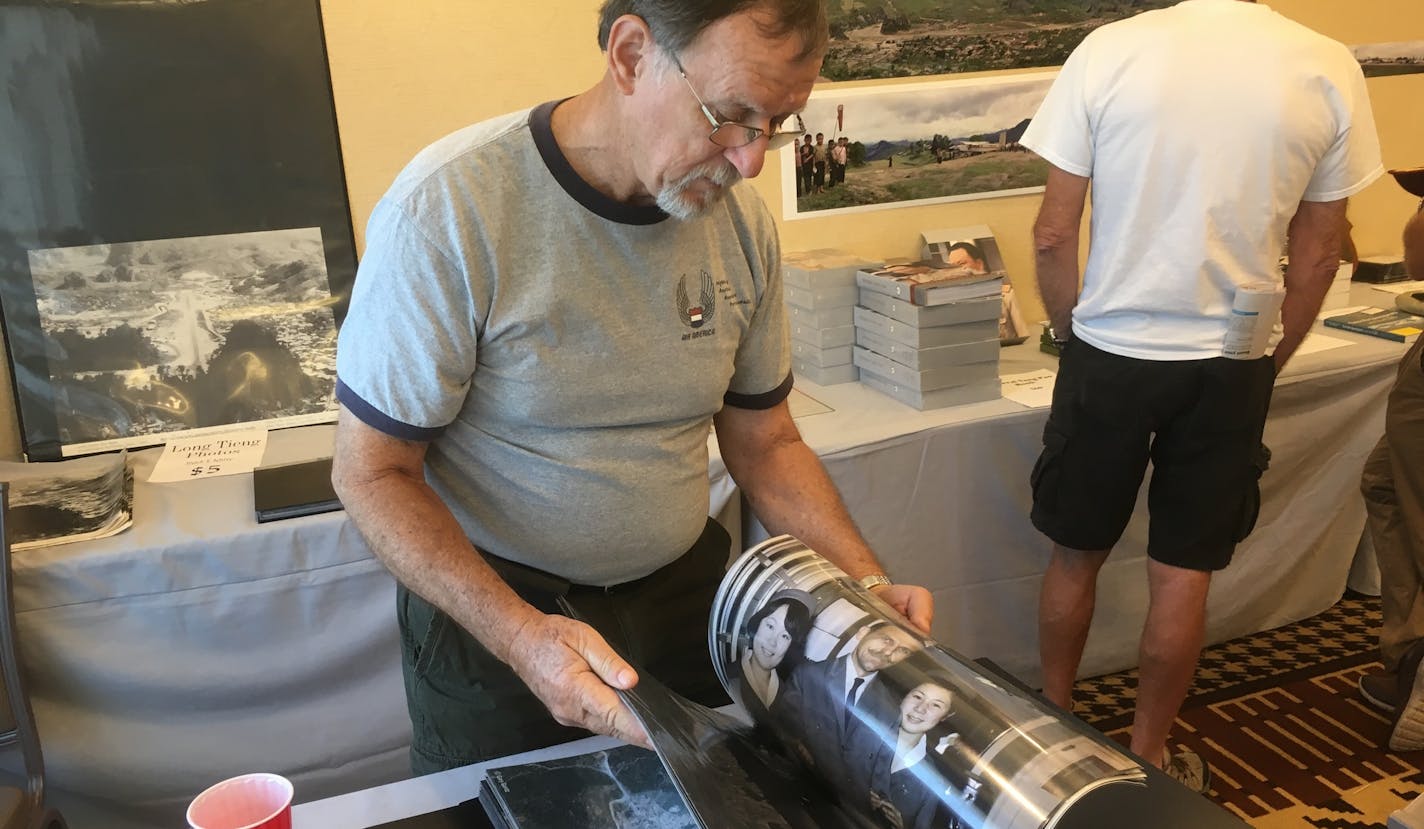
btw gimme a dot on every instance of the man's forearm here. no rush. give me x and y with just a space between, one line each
412 532
1055 246
1313 249
804 502
1058 285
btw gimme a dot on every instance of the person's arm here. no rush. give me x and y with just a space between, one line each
790 492
569 667
1313 249
1055 246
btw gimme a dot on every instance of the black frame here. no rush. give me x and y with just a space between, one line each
136 122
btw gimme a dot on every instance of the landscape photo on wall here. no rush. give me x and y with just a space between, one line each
1395 58
918 143
908 38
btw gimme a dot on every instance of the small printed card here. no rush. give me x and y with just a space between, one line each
1033 389
208 456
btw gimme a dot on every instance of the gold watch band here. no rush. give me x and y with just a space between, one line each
875 580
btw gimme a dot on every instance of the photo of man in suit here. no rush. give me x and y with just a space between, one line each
835 697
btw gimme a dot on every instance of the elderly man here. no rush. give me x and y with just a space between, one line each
1179 224
553 308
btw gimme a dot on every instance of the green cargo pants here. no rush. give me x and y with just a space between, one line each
466 706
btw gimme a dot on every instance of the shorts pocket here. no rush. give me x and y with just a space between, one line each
1043 480
423 629
1251 503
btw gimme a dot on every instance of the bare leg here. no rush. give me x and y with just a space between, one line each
1065 611
1167 657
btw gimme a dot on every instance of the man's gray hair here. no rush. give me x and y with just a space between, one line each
675 24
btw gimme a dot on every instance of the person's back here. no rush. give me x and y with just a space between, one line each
1211 120
1205 131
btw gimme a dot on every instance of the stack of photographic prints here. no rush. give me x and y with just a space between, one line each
175 242
856 721
820 292
928 333
64 501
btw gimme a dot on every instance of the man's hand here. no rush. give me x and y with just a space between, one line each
574 672
914 603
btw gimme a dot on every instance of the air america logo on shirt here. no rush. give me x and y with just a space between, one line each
698 314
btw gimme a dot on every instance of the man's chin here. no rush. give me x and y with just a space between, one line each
685 205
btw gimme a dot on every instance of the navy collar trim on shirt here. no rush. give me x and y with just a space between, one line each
573 184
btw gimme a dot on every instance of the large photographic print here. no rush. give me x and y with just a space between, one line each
938 37
179 334
923 143
905 732
856 721
176 247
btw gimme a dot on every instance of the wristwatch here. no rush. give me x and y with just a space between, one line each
875 580
1058 342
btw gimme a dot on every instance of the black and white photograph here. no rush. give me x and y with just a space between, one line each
941 37
148 150
1404 57
620 788
910 144
149 338
64 501
904 731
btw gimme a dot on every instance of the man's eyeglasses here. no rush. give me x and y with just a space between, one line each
731 135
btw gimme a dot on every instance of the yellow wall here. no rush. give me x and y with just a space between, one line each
407 73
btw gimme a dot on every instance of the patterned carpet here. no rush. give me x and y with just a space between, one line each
1278 718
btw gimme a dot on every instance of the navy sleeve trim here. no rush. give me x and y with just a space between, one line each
765 400
376 419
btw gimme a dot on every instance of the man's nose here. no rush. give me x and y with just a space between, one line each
749 159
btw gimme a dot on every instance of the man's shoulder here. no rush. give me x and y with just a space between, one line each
492 141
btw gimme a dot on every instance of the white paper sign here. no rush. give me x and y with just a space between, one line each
1033 389
208 456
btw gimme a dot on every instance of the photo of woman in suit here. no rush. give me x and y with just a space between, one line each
775 638
902 782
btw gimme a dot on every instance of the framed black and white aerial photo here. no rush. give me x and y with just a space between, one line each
176 249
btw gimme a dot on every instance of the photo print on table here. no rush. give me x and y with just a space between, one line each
975 248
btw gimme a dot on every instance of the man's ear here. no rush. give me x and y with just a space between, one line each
630 51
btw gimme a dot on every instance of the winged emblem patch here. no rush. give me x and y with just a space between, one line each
696 315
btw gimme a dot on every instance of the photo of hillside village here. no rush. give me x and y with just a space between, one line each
1397 58
145 338
945 141
905 38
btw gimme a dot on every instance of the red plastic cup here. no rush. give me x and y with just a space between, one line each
252 801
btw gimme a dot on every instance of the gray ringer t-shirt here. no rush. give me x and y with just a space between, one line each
563 353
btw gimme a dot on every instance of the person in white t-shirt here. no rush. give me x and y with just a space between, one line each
1207 130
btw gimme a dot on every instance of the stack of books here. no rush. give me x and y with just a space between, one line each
927 334
819 288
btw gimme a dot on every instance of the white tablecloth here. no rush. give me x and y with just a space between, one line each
943 497
199 644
